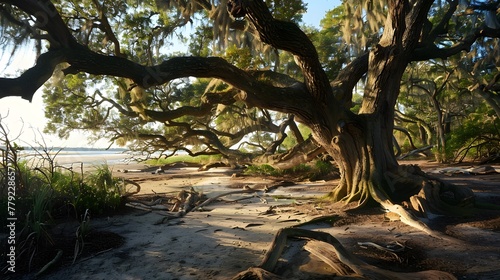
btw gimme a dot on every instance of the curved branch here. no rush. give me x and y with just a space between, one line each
289 37
106 28
407 133
348 77
48 19
422 53
32 79
440 28
163 116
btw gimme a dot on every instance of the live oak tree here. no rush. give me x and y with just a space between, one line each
77 37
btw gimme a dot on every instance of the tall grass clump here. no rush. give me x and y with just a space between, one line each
100 191
46 193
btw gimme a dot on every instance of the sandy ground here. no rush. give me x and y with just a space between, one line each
233 233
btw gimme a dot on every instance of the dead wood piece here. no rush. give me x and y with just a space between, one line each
246 189
482 170
390 249
138 206
405 215
491 159
189 202
146 203
181 197
393 247
321 219
279 184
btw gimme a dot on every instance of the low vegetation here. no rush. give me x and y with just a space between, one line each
49 195
204 159
311 171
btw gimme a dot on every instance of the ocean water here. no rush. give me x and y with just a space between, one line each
76 157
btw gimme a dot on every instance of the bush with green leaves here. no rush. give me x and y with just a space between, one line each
202 159
263 170
477 137
313 171
97 192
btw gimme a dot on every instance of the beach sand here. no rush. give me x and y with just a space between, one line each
234 233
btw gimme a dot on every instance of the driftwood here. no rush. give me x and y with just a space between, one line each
246 189
188 201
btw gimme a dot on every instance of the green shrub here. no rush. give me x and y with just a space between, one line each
100 191
204 159
263 170
303 170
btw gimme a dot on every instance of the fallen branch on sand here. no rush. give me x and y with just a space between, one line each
188 201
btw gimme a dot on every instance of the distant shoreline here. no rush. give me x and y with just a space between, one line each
74 158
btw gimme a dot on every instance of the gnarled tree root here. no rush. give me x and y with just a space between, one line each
335 255
405 215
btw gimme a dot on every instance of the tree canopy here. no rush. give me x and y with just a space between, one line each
114 72
250 73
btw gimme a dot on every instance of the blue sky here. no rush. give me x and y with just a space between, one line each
316 10
20 115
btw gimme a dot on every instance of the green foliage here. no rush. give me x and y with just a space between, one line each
331 48
242 57
289 142
287 9
37 220
304 171
322 168
81 233
203 159
264 169
99 192
48 193
477 137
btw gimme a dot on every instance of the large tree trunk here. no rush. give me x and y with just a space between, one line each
362 145
364 155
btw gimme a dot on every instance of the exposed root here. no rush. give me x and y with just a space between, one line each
405 215
335 255
256 273
128 193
